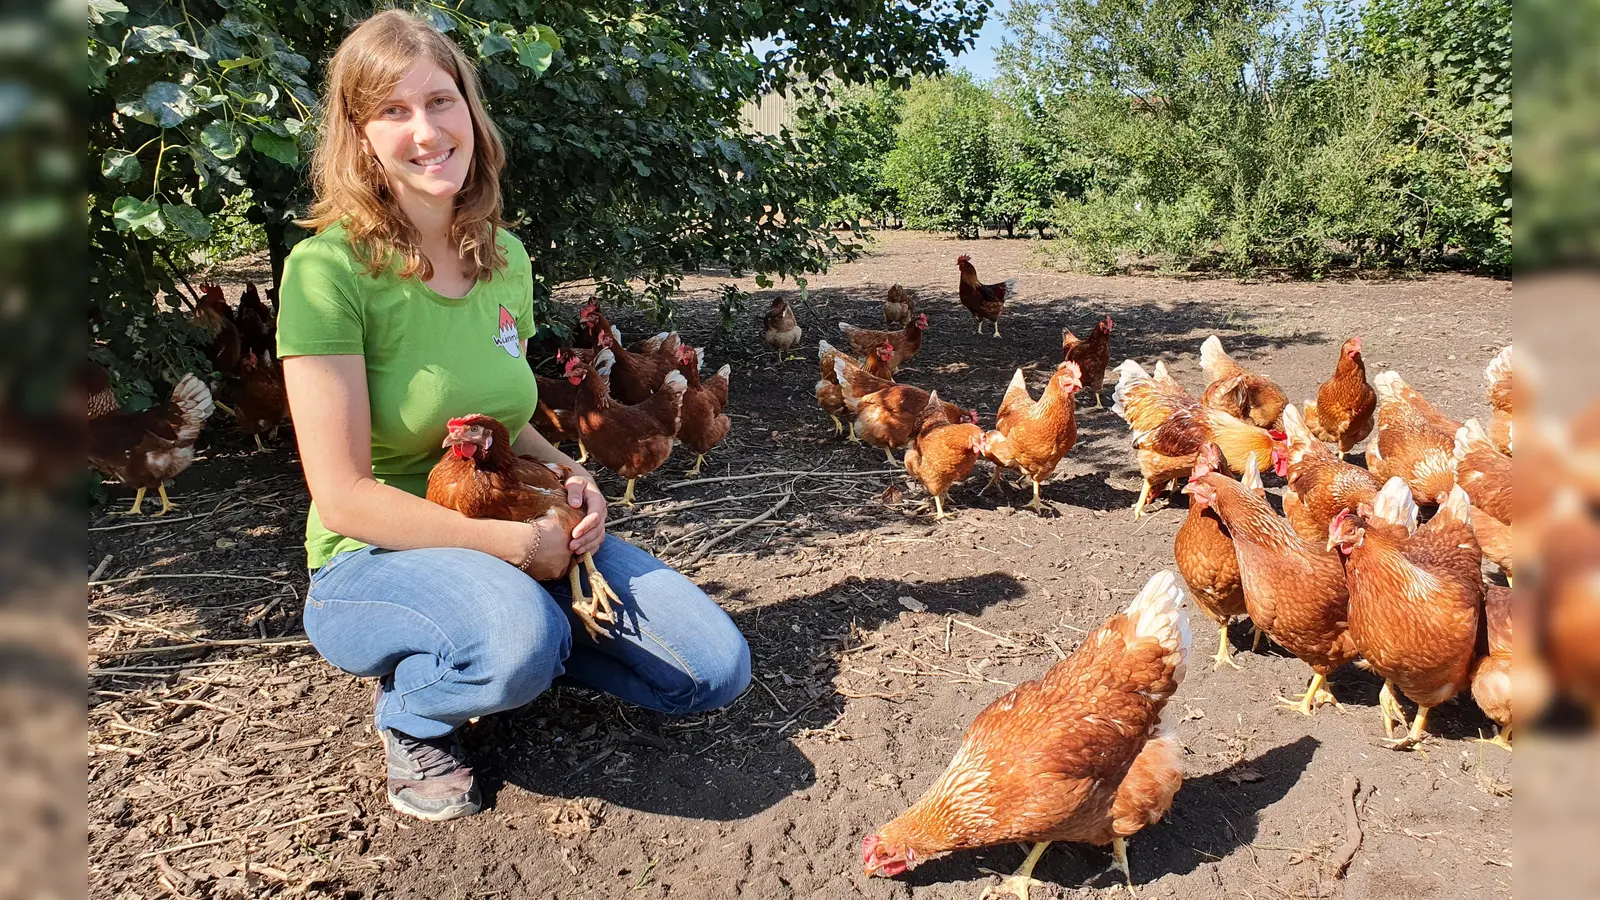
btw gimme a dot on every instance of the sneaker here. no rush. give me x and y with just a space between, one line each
429 777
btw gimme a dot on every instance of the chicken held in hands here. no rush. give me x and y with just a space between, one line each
888 417
701 423
943 452
1415 596
1342 412
984 301
146 449
1254 398
1092 354
899 306
1206 559
905 343
632 441
779 330
1294 589
1031 436
1084 754
481 477
1320 483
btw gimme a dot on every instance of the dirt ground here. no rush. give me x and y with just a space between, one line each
246 766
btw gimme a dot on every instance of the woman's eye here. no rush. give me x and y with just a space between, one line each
441 101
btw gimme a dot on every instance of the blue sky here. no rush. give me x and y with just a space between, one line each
980 60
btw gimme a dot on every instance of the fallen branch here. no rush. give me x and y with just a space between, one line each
206 645
687 505
737 529
1352 825
100 569
143 523
130 578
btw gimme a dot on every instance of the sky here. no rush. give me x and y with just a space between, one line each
981 59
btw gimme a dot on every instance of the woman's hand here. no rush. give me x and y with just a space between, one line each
583 493
551 558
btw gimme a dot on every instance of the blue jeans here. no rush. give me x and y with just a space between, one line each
454 634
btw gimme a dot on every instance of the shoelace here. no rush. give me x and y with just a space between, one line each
432 757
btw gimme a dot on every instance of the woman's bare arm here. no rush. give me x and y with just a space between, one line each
582 490
333 425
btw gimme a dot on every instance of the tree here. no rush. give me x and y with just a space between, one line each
625 159
857 124
943 164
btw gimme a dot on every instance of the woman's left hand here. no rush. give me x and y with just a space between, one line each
583 493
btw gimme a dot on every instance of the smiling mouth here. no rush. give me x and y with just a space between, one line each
438 159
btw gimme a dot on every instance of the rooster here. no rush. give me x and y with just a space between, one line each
984 301
481 477
1030 435
146 449
1092 354
1084 754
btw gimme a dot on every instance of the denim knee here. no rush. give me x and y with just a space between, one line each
721 679
517 664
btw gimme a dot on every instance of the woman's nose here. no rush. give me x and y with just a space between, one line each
423 129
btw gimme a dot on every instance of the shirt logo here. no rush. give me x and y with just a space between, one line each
506 338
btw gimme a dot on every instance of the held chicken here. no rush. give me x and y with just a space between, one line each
1254 398
943 452
1168 427
1294 589
1206 559
831 398
632 441
702 426
146 449
1031 436
1491 673
905 343
556 416
481 477
1092 354
888 417
780 331
1342 412
1415 441
1415 597
1502 394
899 307
1084 754
261 401
984 301
1320 484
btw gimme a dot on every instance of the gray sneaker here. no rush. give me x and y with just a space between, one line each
429 777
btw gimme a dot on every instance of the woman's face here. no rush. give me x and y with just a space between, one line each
422 135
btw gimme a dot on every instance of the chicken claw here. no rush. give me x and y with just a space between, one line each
838 426
593 609
138 506
1413 737
627 495
698 459
1138 505
1315 695
1502 739
1017 885
1389 705
1224 655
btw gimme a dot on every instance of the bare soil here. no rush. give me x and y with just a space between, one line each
253 770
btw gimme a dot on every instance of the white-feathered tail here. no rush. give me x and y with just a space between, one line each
193 400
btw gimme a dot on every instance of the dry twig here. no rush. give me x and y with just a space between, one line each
1352 826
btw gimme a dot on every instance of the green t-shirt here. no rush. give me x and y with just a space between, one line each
429 357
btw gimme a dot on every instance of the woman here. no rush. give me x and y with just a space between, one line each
409 306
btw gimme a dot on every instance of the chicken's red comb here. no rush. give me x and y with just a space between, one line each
1279 436
465 420
963 258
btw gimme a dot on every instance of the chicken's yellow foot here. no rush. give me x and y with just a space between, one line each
582 606
1224 655
980 326
583 454
994 479
1314 696
223 406
1255 642
1502 739
258 443
698 459
1119 855
938 505
1415 736
853 438
838 426
1037 505
996 328
138 505
1017 885
1097 404
166 504
1138 505
1389 705
602 600
889 452
627 495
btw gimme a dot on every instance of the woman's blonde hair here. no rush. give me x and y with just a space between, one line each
351 187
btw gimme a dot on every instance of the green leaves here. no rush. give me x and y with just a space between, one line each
139 216
220 140
186 219
120 165
282 149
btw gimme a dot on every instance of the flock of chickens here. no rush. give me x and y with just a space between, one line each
1350 571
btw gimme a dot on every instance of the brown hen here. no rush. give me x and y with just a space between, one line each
906 343
888 417
984 301
1206 559
1320 484
779 330
1415 441
1092 354
1491 673
702 426
1031 436
1254 398
145 449
1342 412
632 441
1084 754
1502 396
943 452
